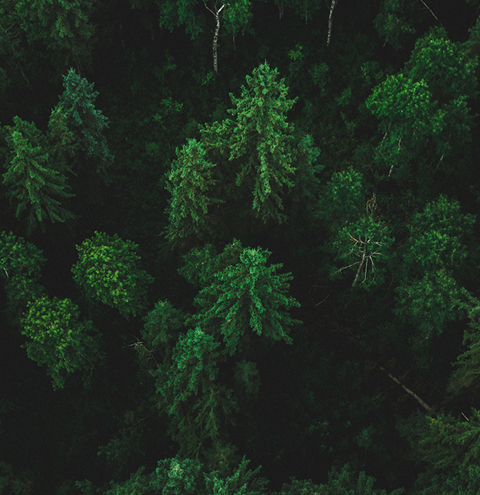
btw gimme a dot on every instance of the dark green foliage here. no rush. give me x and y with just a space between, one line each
450 447
108 271
467 365
342 199
247 376
392 22
186 389
435 257
63 26
254 154
423 110
362 247
180 476
189 183
162 325
20 264
340 482
33 180
201 377
58 339
77 110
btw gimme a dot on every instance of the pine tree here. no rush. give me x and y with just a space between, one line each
33 180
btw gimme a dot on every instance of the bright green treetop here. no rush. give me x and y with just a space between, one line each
59 339
108 271
261 140
32 179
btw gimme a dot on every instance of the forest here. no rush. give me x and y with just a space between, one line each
239 247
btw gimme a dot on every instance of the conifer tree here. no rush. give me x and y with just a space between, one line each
31 177
108 271
467 365
59 339
423 110
20 265
246 295
77 108
450 450
260 141
435 264
190 184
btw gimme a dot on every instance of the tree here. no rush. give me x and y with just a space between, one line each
467 365
448 448
435 260
32 178
63 26
342 199
363 245
246 294
59 339
183 476
423 110
340 482
200 408
260 138
393 23
107 270
189 183
76 109
20 264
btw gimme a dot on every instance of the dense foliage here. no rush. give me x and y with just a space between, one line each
239 247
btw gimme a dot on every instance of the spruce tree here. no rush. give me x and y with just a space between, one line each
246 295
190 184
33 179
77 108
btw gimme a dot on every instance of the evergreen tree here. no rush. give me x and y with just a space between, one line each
435 261
189 183
20 264
246 294
450 447
77 109
62 25
423 111
467 365
107 270
259 139
59 339
340 482
33 180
